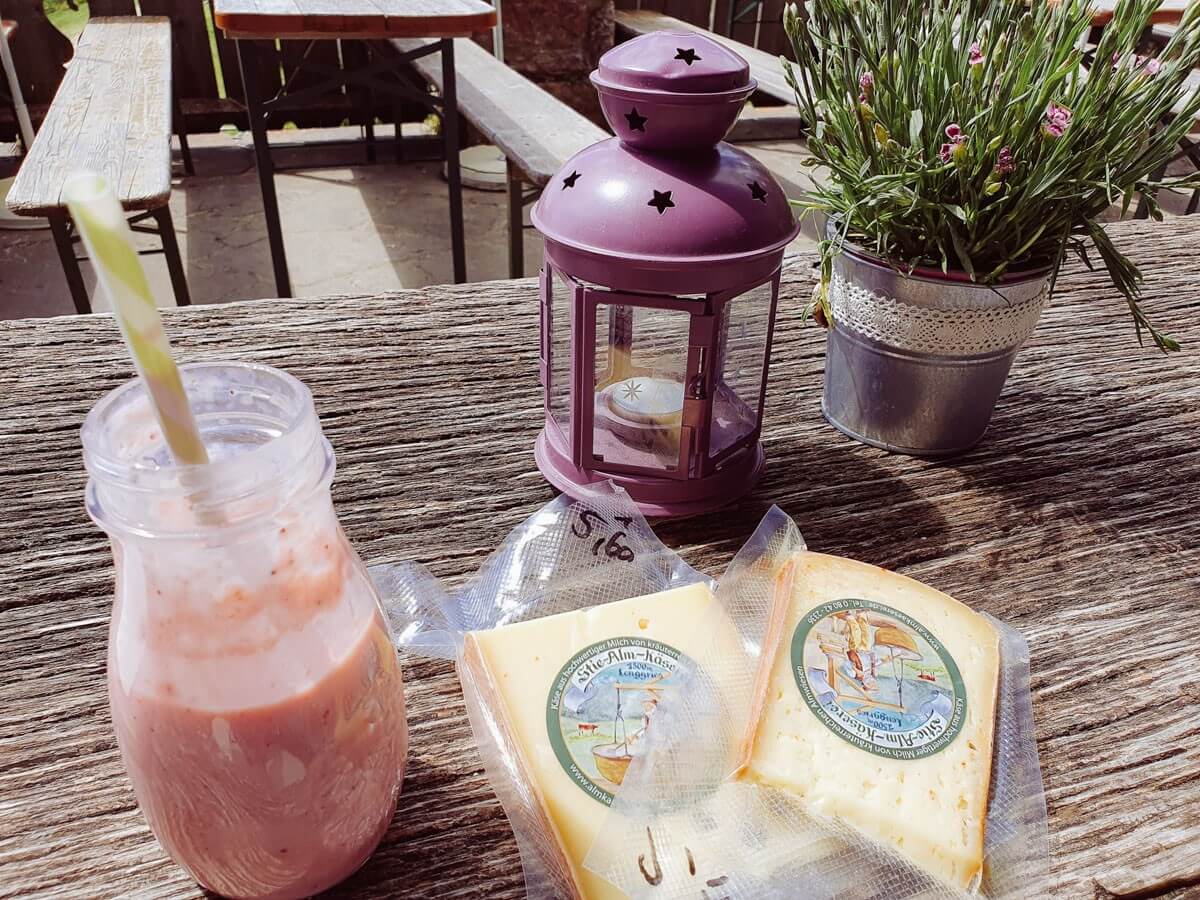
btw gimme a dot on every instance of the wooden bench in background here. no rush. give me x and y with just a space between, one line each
536 132
766 69
111 115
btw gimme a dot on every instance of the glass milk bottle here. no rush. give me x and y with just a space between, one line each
254 685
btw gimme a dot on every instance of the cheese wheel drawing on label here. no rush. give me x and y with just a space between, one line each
875 704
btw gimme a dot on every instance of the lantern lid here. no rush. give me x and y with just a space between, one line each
675 62
622 204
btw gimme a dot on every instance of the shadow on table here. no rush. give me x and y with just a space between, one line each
1046 447
846 499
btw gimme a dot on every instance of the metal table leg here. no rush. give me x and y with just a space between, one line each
166 233
453 175
60 228
516 221
248 54
181 131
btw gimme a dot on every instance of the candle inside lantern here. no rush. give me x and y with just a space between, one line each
648 400
637 420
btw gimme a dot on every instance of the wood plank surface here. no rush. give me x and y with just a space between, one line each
533 128
765 68
772 38
1075 521
352 18
193 74
111 115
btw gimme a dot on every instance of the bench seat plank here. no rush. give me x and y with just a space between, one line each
111 115
536 131
764 67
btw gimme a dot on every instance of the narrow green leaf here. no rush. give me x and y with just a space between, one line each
916 121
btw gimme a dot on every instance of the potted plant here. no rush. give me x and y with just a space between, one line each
966 150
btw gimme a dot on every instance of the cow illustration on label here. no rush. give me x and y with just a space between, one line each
600 706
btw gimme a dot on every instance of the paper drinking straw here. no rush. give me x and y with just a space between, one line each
101 222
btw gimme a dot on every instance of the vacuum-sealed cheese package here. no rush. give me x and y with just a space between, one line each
567 641
866 736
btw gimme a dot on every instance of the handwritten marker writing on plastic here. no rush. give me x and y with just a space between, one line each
576 713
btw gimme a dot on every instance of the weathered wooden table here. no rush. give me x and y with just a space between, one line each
259 25
1076 521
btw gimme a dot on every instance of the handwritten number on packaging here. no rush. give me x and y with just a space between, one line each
591 522
656 879
654 876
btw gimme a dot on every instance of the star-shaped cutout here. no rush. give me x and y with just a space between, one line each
636 122
570 180
632 390
688 56
757 191
661 202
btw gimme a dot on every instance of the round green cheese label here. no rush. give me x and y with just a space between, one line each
878 678
599 708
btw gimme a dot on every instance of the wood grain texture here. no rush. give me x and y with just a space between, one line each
192 73
352 18
1075 521
111 115
533 128
765 68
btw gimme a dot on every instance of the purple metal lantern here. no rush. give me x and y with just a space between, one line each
663 248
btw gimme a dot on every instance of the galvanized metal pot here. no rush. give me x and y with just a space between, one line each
915 363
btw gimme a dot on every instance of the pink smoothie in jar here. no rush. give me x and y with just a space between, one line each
254 686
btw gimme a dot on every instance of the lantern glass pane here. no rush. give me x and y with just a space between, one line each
740 359
641 357
562 298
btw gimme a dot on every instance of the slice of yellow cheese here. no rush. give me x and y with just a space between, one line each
573 694
875 704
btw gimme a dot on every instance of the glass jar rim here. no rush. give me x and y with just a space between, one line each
275 450
100 461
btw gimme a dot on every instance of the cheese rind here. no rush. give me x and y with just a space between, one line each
572 694
875 704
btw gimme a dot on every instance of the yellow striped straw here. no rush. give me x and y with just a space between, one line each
101 223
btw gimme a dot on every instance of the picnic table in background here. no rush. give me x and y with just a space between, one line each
1074 521
258 24
1168 12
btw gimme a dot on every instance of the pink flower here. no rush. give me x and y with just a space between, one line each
949 150
1058 119
975 55
1148 64
866 82
1004 161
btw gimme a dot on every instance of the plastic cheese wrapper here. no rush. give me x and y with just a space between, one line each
567 641
862 736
